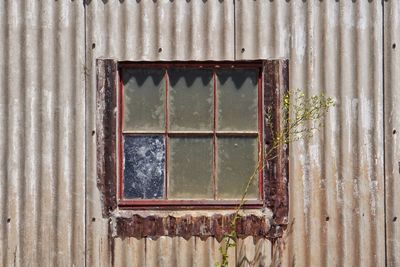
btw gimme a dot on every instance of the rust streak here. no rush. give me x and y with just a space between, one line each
106 103
187 226
276 84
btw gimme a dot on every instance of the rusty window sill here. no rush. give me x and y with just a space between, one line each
201 223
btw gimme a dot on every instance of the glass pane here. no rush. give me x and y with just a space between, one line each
190 168
190 99
236 162
144 94
144 158
237 99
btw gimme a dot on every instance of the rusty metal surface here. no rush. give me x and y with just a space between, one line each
42 133
392 129
106 128
276 169
187 226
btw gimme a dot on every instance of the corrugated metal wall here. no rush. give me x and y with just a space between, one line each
42 133
392 130
345 49
336 179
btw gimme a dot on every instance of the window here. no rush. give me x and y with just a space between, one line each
189 133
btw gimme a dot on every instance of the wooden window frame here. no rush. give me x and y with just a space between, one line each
188 203
275 174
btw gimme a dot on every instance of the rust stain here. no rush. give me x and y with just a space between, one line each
187 226
277 169
106 101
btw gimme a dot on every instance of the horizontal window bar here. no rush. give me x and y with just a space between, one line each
237 133
143 132
198 133
185 133
185 204
229 65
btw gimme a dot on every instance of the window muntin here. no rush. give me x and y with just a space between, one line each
197 139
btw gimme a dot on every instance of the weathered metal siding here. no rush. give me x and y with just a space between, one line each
342 48
337 182
42 136
152 30
337 178
168 251
392 129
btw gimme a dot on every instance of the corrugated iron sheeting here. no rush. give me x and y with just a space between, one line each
337 183
42 147
167 251
149 30
337 178
392 130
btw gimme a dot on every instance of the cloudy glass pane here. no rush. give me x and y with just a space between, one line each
144 97
236 161
190 99
237 99
190 168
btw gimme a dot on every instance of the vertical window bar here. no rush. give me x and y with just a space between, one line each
215 136
120 101
166 180
260 135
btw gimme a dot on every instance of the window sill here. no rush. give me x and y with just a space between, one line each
200 223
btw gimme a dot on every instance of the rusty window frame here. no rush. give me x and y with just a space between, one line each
275 180
187 203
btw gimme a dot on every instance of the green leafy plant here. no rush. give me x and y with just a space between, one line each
303 117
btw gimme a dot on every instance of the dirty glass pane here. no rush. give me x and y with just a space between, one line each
144 158
190 168
144 93
237 99
236 161
190 99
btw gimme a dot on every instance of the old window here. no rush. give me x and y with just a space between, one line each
188 135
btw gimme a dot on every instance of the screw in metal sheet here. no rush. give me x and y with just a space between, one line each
399 166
